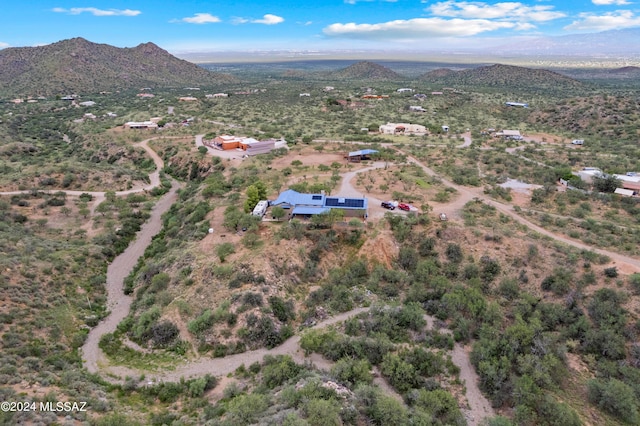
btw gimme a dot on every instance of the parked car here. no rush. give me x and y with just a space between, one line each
443 217
403 206
388 205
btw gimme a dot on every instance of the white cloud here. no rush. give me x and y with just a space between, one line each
610 2
201 18
609 21
416 28
3 45
267 19
506 10
97 12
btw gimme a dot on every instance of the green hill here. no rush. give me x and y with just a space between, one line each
503 76
366 70
78 65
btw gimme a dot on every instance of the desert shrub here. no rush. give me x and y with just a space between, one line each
440 404
454 253
401 375
202 323
559 282
246 409
615 397
283 311
352 372
634 283
164 333
322 412
224 250
509 288
408 258
252 299
279 369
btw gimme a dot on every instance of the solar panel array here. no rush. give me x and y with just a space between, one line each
344 202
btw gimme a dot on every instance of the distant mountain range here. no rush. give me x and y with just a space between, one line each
80 66
502 76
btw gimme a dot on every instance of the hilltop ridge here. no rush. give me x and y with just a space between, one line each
500 75
78 65
366 70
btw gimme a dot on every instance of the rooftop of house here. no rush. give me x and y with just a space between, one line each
297 199
363 152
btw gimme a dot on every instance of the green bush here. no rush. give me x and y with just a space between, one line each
616 398
224 250
611 272
202 323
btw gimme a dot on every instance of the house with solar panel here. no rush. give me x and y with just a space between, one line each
362 155
306 205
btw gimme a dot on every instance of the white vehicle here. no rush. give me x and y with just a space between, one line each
577 142
261 208
443 217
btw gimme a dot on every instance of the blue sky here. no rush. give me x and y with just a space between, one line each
199 25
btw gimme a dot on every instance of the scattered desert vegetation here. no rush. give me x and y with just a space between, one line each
548 329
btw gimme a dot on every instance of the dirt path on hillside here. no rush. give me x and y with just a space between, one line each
466 194
118 303
346 189
478 408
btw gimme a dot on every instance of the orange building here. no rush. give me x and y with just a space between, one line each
227 142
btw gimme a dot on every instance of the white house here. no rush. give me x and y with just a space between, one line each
510 134
218 95
517 104
404 90
140 125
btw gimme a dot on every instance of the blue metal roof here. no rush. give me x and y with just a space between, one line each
363 152
316 203
295 198
310 210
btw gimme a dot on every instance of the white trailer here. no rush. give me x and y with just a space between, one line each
261 208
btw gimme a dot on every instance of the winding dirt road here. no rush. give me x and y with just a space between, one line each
119 304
